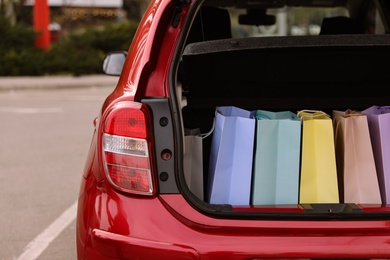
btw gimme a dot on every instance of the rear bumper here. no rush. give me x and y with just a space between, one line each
122 247
116 246
114 226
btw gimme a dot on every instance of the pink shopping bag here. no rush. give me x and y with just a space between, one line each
358 179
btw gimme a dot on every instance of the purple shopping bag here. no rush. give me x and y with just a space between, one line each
379 125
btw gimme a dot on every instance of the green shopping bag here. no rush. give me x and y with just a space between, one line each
277 158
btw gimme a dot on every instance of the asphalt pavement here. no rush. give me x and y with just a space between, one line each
62 81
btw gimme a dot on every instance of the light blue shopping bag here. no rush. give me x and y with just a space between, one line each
277 158
231 156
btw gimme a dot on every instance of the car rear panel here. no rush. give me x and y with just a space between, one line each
176 230
172 223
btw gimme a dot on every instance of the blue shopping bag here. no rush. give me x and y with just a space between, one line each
231 156
277 158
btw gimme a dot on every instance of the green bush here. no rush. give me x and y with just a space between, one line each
76 53
26 62
114 37
18 37
71 57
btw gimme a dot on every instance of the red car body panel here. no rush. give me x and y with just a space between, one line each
121 226
140 61
139 65
175 229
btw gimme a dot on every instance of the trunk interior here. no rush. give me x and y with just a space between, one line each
323 73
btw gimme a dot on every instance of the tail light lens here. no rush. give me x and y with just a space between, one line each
125 144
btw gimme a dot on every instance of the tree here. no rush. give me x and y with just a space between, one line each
11 10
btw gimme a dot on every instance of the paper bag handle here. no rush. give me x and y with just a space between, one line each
309 114
350 112
260 116
209 132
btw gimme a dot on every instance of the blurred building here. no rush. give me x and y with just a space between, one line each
84 11
82 3
73 14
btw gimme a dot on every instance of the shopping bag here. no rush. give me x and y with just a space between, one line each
318 181
231 156
358 180
379 125
275 177
193 161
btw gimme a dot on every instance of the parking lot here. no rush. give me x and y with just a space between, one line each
45 135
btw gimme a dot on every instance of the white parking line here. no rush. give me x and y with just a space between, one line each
35 248
26 110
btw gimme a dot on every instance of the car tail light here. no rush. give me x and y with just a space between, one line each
125 143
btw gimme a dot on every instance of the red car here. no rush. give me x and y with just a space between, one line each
189 58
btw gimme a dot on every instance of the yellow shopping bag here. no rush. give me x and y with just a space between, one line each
318 180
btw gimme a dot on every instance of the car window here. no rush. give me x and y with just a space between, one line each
296 21
288 21
372 22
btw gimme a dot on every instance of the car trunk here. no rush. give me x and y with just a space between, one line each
323 73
